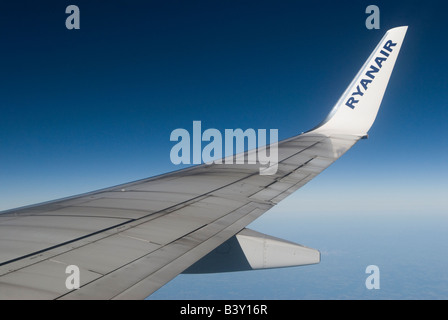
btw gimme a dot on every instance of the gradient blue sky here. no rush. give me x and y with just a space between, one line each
90 108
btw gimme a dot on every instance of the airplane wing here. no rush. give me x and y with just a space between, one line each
129 240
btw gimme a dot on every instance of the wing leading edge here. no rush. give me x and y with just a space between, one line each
129 240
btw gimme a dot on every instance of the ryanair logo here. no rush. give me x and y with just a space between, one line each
362 87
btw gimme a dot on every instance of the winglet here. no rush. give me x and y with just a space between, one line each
356 109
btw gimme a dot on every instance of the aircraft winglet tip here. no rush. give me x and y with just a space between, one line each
401 28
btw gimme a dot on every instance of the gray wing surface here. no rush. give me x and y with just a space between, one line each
130 240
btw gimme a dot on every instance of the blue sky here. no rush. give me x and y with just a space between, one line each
90 108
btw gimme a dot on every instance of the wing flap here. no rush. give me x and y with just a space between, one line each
143 276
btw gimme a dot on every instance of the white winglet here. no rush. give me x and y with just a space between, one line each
356 110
